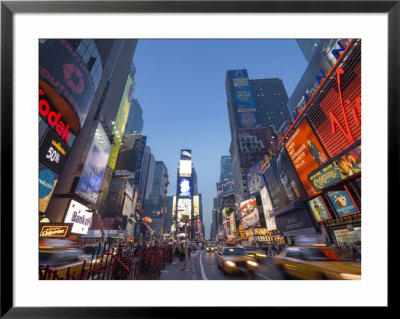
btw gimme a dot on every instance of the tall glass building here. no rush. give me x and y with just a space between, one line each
308 47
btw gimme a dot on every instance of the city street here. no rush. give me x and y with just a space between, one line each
205 267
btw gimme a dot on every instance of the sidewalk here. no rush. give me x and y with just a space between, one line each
173 271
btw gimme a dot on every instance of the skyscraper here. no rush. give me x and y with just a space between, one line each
308 47
135 118
225 169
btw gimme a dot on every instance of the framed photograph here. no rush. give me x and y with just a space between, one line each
25 25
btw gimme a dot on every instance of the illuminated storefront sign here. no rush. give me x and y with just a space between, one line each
53 152
306 153
120 121
343 203
319 209
55 230
78 215
342 168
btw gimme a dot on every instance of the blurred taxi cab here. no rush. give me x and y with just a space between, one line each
209 249
58 256
255 252
235 260
317 263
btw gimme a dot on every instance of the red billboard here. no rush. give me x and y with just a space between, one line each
336 115
306 153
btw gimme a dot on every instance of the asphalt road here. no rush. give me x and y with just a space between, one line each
206 268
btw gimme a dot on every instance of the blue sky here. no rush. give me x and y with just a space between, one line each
180 85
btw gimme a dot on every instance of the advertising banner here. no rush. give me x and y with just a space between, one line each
62 68
127 208
79 216
196 203
120 121
186 154
232 223
139 163
47 182
185 187
296 223
306 153
185 168
53 152
267 207
336 115
184 207
219 188
285 174
92 174
340 169
129 190
250 217
254 179
173 206
228 189
242 91
343 203
274 188
319 209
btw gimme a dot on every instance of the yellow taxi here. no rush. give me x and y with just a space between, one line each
255 252
317 263
235 260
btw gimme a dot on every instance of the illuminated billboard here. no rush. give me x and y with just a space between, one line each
249 209
47 182
79 216
173 206
92 174
185 168
196 205
335 115
184 207
184 187
319 209
343 203
306 153
62 71
267 207
254 179
228 189
186 154
120 121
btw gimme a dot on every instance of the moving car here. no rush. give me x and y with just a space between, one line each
235 260
255 252
209 248
317 263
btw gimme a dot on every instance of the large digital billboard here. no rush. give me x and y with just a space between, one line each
343 203
185 187
139 163
79 216
185 168
62 71
186 154
254 179
92 174
184 207
120 121
306 153
340 169
291 186
228 189
267 207
274 188
196 205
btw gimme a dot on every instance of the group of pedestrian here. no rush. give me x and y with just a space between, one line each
273 249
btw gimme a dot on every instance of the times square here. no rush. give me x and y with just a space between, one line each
287 206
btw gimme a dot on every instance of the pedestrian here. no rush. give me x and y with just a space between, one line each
182 257
273 250
266 250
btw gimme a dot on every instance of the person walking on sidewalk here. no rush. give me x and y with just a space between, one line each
182 257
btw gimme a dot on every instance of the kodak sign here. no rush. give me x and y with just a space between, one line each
53 117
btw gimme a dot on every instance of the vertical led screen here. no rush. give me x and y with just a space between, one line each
267 207
336 115
92 174
47 182
174 206
120 121
250 217
139 163
196 205
61 69
254 179
306 153
186 154
277 197
285 174
185 187
244 99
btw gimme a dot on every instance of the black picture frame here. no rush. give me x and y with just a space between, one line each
9 8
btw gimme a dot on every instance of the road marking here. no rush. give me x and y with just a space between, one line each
203 274
262 276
